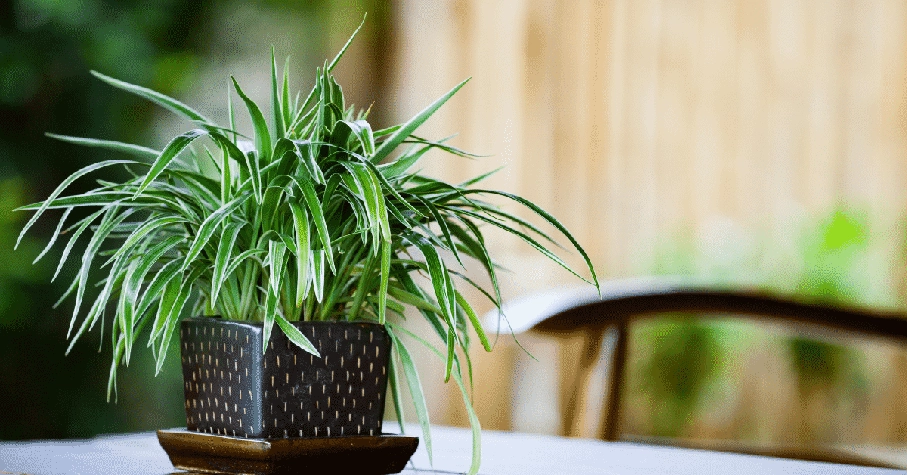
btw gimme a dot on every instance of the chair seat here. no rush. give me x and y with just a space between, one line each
624 302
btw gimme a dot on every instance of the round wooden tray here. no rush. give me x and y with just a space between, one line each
211 453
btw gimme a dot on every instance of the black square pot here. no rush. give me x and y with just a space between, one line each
231 388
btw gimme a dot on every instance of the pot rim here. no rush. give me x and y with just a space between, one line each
219 319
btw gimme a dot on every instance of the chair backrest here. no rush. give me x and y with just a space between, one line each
615 312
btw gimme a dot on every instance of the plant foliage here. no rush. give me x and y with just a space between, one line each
309 218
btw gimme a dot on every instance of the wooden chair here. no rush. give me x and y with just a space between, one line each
620 306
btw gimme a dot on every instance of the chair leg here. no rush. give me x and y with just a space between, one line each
592 344
610 426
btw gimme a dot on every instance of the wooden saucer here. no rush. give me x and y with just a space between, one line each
211 453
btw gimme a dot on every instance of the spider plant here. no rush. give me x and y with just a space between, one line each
314 216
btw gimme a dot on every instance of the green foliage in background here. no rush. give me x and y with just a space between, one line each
682 361
833 258
16 271
45 49
680 358
683 358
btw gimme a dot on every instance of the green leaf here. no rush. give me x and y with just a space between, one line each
387 131
224 252
432 317
286 107
451 354
414 300
270 316
474 425
385 275
361 131
156 97
438 273
252 165
285 160
296 336
473 418
551 220
410 126
362 288
162 277
440 144
403 163
393 380
169 294
442 224
482 177
370 193
83 225
198 188
318 274
115 275
415 390
101 198
304 152
269 213
275 99
124 314
117 354
142 231
226 175
532 242
479 251
382 185
44 205
173 317
230 112
314 206
108 144
346 45
208 227
108 222
276 253
170 152
54 236
241 258
146 261
262 136
303 251
474 319
444 291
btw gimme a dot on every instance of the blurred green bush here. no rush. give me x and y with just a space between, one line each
681 363
46 50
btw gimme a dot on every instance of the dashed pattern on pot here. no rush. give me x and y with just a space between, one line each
221 377
341 393
232 389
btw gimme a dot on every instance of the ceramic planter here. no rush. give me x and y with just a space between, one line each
234 388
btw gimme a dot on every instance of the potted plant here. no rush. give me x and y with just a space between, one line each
292 245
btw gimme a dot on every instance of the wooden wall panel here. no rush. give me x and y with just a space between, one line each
632 119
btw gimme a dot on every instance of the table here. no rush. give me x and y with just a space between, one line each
504 453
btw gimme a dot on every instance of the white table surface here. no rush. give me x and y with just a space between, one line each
504 453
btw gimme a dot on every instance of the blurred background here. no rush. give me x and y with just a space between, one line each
756 144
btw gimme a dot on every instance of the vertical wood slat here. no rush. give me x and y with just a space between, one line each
631 120
628 119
